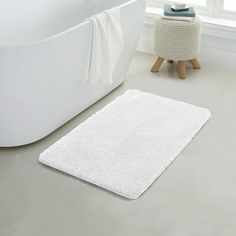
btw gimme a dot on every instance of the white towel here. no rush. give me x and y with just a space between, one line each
181 18
107 44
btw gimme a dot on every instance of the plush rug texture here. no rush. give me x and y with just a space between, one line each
127 145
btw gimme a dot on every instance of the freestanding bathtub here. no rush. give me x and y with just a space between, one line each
44 59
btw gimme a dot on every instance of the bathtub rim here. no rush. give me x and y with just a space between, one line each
57 35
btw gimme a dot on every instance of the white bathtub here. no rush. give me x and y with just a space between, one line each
44 58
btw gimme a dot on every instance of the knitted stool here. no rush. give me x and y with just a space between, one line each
177 41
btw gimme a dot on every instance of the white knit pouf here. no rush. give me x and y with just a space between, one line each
177 40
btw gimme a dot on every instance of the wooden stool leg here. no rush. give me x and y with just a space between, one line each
170 61
195 64
182 69
157 64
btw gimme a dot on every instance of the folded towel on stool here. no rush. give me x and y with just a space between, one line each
169 12
181 18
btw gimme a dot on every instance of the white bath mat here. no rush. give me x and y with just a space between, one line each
125 146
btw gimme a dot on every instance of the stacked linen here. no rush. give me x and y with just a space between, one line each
177 13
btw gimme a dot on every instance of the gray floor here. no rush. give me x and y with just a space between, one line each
195 196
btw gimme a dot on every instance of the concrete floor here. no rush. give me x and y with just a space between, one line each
195 196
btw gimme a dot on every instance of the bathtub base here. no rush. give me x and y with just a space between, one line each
21 140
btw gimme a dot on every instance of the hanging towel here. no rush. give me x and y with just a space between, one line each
107 44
